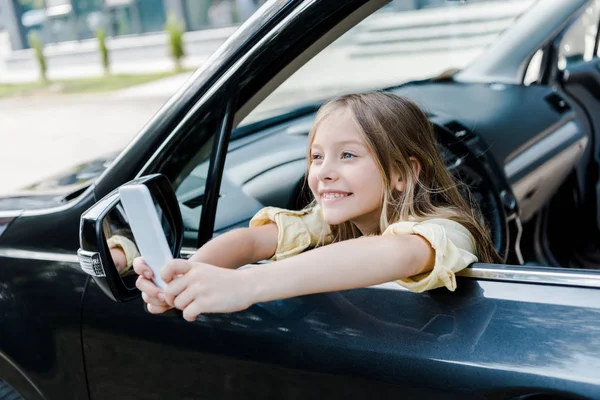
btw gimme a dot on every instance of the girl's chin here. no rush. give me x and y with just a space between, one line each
334 218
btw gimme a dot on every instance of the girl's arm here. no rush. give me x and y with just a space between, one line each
199 288
350 264
230 250
239 247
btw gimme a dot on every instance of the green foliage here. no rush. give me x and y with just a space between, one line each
101 36
32 4
175 33
82 85
38 47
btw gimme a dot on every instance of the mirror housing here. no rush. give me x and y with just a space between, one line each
94 254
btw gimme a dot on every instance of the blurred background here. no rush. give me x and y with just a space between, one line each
79 78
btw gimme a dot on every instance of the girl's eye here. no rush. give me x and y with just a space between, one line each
347 155
316 157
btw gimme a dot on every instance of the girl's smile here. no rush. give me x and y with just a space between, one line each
332 196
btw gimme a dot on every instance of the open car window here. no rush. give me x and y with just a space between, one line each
396 44
266 166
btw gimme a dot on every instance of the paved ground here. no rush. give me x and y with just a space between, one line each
43 136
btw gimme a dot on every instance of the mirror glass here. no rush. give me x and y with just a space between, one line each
121 242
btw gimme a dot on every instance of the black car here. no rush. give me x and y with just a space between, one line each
519 124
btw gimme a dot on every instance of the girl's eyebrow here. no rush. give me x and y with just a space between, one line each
357 142
342 143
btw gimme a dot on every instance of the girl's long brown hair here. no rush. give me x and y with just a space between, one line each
395 129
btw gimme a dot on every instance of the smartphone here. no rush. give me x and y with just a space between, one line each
147 229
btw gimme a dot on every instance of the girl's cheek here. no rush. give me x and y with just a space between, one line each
313 184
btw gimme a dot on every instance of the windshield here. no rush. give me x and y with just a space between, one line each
403 41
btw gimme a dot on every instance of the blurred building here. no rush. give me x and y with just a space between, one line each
72 20
68 20
10 24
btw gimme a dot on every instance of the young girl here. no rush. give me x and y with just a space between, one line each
385 209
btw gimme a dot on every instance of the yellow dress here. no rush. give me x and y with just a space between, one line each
453 243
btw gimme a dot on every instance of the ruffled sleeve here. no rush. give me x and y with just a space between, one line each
298 230
454 248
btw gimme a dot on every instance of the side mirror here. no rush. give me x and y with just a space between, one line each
107 219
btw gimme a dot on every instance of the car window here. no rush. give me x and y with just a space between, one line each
402 41
189 188
578 43
186 165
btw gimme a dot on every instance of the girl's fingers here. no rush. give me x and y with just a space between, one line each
169 299
176 286
154 300
147 286
141 268
191 312
175 267
183 299
157 309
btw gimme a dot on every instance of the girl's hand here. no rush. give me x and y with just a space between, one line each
201 288
151 293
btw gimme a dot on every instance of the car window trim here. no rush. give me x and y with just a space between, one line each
215 173
527 274
514 273
478 271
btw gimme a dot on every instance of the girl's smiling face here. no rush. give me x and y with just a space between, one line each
343 174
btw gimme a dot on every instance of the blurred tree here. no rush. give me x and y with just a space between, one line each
174 30
38 47
101 35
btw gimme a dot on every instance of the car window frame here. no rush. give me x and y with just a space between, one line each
214 177
576 18
550 71
548 65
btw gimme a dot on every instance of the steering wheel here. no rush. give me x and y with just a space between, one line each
474 169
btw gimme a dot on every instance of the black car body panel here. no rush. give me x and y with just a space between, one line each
487 338
526 332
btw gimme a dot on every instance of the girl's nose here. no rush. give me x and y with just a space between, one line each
327 171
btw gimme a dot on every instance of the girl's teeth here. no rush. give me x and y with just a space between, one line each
333 195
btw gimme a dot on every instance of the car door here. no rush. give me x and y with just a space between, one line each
506 332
